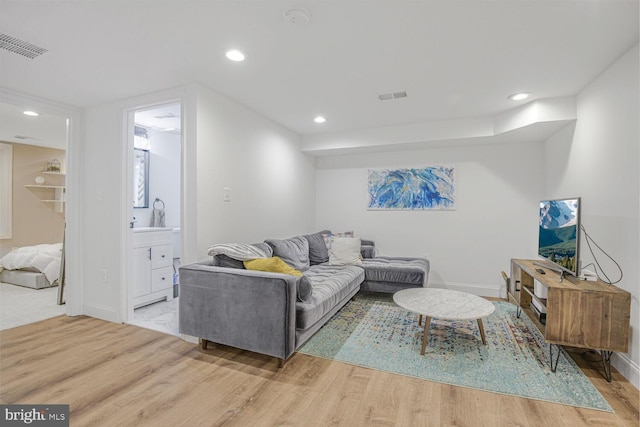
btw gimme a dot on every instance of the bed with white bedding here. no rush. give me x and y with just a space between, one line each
32 266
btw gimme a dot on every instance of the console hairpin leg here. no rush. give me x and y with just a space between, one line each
518 308
606 363
554 366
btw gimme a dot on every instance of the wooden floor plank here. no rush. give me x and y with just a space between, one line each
123 375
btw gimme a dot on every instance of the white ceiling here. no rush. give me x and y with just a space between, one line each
455 59
46 130
165 118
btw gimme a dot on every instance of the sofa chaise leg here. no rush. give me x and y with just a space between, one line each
203 343
281 363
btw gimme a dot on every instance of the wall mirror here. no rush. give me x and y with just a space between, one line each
140 178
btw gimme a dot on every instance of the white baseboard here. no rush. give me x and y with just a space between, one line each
494 291
627 368
189 338
101 312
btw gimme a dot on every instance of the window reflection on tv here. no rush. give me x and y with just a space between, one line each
559 231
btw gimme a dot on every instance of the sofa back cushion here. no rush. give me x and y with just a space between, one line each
318 252
293 251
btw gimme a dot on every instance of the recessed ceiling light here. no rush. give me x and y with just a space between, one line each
236 55
31 113
319 119
519 96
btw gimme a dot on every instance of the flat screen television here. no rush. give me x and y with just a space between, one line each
559 234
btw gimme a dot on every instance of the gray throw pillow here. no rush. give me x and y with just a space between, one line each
293 251
222 260
318 252
304 289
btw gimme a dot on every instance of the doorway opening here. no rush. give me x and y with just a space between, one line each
155 135
33 185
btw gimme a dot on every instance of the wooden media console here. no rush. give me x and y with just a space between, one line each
579 313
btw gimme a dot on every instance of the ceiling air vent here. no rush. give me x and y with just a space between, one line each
166 116
24 137
20 47
392 95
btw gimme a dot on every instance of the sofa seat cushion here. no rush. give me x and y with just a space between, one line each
403 271
331 284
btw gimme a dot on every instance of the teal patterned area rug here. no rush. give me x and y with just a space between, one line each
375 333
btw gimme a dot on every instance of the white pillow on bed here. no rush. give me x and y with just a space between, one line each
345 251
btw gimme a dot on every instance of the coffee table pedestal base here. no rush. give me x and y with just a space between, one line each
427 323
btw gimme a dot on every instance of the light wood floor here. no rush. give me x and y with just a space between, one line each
122 375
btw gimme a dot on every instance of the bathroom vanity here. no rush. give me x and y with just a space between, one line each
152 265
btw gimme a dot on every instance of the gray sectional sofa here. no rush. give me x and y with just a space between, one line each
274 313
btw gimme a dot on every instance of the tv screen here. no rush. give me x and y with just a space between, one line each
559 232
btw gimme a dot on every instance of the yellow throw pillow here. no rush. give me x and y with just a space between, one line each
273 264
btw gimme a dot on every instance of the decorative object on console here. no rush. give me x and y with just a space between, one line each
39 180
429 188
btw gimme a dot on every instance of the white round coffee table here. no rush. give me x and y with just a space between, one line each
443 304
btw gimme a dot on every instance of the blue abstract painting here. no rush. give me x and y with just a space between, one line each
430 188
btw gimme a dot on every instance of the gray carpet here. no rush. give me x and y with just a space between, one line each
21 306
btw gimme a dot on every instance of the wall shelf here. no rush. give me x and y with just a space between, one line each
45 186
58 192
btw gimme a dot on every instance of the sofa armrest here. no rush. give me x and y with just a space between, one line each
247 309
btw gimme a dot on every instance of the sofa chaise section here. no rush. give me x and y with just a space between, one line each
391 274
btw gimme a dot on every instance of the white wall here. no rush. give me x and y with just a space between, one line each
103 174
164 178
225 145
599 162
272 182
497 190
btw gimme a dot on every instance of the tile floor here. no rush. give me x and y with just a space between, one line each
20 306
161 316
